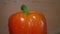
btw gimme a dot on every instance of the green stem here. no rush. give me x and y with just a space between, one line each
24 8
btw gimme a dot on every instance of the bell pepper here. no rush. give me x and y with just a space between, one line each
27 22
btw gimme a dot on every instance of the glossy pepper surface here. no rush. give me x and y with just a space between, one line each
27 22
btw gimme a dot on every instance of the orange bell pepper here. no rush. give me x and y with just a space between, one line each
27 22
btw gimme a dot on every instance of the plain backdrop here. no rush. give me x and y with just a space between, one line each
50 8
